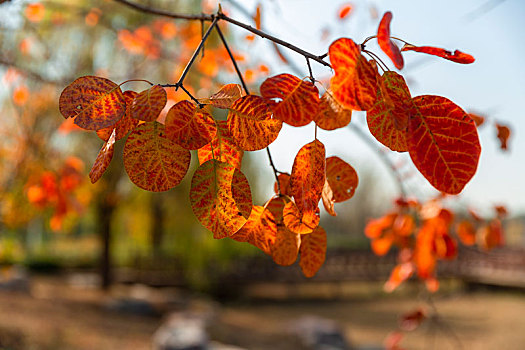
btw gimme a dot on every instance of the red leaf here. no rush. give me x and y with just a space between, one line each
124 125
344 11
103 159
342 178
331 114
154 162
224 148
412 320
503 135
148 104
298 100
457 56
94 102
355 83
443 143
383 39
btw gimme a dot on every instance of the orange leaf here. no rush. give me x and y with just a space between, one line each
457 56
148 104
376 228
300 222
331 114
355 83
35 12
124 125
284 184
103 159
383 39
388 118
399 274
297 101
342 178
20 95
251 124
328 199
225 97
259 230
313 252
381 246
308 175
490 235
478 119
286 246
94 102
189 126
276 206
403 225
257 17
466 232
220 198
153 161
344 11
224 148
503 135
424 257
501 211
443 143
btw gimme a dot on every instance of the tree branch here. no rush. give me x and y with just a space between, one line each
158 12
223 39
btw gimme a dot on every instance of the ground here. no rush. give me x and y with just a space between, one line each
58 315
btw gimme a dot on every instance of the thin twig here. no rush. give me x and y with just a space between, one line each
223 39
274 169
197 50
158 12
377 59
310 70
274 39
382 156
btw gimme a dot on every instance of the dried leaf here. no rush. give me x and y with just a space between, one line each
457 56
154 162
328 199
225 97
503 135
94 102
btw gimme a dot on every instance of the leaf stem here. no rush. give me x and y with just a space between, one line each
130 80
223 39
377 60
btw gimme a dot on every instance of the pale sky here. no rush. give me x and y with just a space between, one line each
492 31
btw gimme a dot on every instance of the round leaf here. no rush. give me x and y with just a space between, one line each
313 251
332 115
342 178
149 103
224 147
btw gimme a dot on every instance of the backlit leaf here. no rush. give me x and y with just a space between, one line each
383 39
466 232
300 222
388 118
331 115
225 97
344 11
286 246
153 161
456 56
276 207
103 159
490 235
342 178
503 135
313 251
220 198
189 126
443 143
308 175
399 274
94 102
251 124
354 84
224 147
284 183
328 199
259 230
148 104
297 101
125 124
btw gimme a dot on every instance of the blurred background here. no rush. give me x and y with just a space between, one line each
108 265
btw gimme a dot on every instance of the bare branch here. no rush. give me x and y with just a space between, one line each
158 12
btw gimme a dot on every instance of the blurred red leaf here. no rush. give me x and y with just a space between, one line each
503 135
457 56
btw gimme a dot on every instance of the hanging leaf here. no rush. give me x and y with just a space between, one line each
383 39
259 230
257 17
331 114
94 102
466 232
308 175
148 104
345 11
342 178
388 118
297 101
328 199
313 252
154 162
286 246
457 56
276 206
189 126
503 135
284 183
103 159
224 147
225 97
354 84
490 235
125 124
251 125
220 198
300 222
399 274
478 119
443 143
